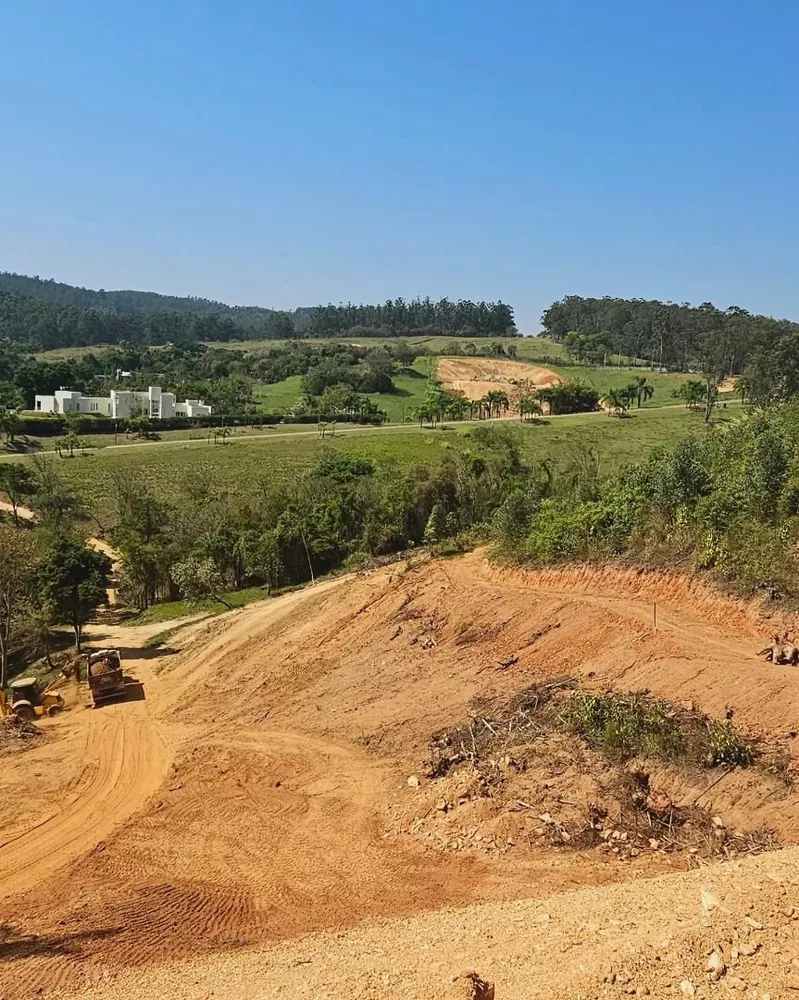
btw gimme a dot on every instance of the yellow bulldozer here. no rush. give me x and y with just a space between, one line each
30 699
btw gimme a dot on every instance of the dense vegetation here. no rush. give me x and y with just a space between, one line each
222 377
679 336
399 318
43 315
336 378
727 502
48 576
123 302
42 325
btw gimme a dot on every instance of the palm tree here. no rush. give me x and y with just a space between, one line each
529 408
221 434
642 388
426 412
456 406
741 388
496 400
616 402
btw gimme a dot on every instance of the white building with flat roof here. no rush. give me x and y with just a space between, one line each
123 404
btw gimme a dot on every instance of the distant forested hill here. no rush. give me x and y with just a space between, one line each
678 335
128 302
45 314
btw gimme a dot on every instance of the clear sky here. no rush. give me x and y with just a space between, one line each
287 153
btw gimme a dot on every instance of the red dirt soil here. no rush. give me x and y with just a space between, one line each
258 792
475 377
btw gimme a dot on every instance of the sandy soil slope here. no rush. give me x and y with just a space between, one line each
477 376
257 795
651 939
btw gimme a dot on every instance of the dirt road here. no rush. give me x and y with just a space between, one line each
98 544
260 794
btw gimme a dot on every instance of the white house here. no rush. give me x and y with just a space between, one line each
123 403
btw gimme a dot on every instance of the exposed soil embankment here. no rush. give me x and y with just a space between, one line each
476 377
288 732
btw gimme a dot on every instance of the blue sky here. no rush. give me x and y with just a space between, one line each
284 154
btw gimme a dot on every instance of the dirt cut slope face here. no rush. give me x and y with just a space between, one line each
475 377
297 799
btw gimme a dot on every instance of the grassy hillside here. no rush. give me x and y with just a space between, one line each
174 468
604 379
276 396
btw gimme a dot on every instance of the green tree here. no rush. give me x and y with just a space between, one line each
18 483
529 408
440 525
55 504
197 576
9 424
643 388
17 576
74 580
616 401
143 535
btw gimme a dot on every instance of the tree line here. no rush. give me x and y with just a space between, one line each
47 315
726 501
417 316
663 333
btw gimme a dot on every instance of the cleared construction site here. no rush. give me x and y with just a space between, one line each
390 785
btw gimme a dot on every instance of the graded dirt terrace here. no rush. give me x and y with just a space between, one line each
475 377
247 828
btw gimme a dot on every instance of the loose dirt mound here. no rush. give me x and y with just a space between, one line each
288 732
475 377
17 735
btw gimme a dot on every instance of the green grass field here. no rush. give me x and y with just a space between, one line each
274 397
529 348
400 405
604 379
277 396
174 469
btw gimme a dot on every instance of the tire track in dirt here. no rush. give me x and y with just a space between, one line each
259 837
273 823
126 759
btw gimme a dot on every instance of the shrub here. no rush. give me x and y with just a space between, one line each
625 726
728 747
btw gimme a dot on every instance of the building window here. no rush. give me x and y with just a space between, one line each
93 406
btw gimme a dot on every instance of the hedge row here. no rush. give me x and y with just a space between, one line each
53 426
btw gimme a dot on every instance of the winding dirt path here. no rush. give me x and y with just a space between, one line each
98 544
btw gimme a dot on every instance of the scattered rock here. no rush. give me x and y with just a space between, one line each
687 988
754 924
469 986
735 983
715 966
748 948
413 781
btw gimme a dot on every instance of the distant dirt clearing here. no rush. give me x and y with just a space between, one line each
475 377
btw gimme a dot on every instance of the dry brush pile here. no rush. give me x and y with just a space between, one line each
559 766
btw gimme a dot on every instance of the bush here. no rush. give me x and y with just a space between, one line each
728 747
625 726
